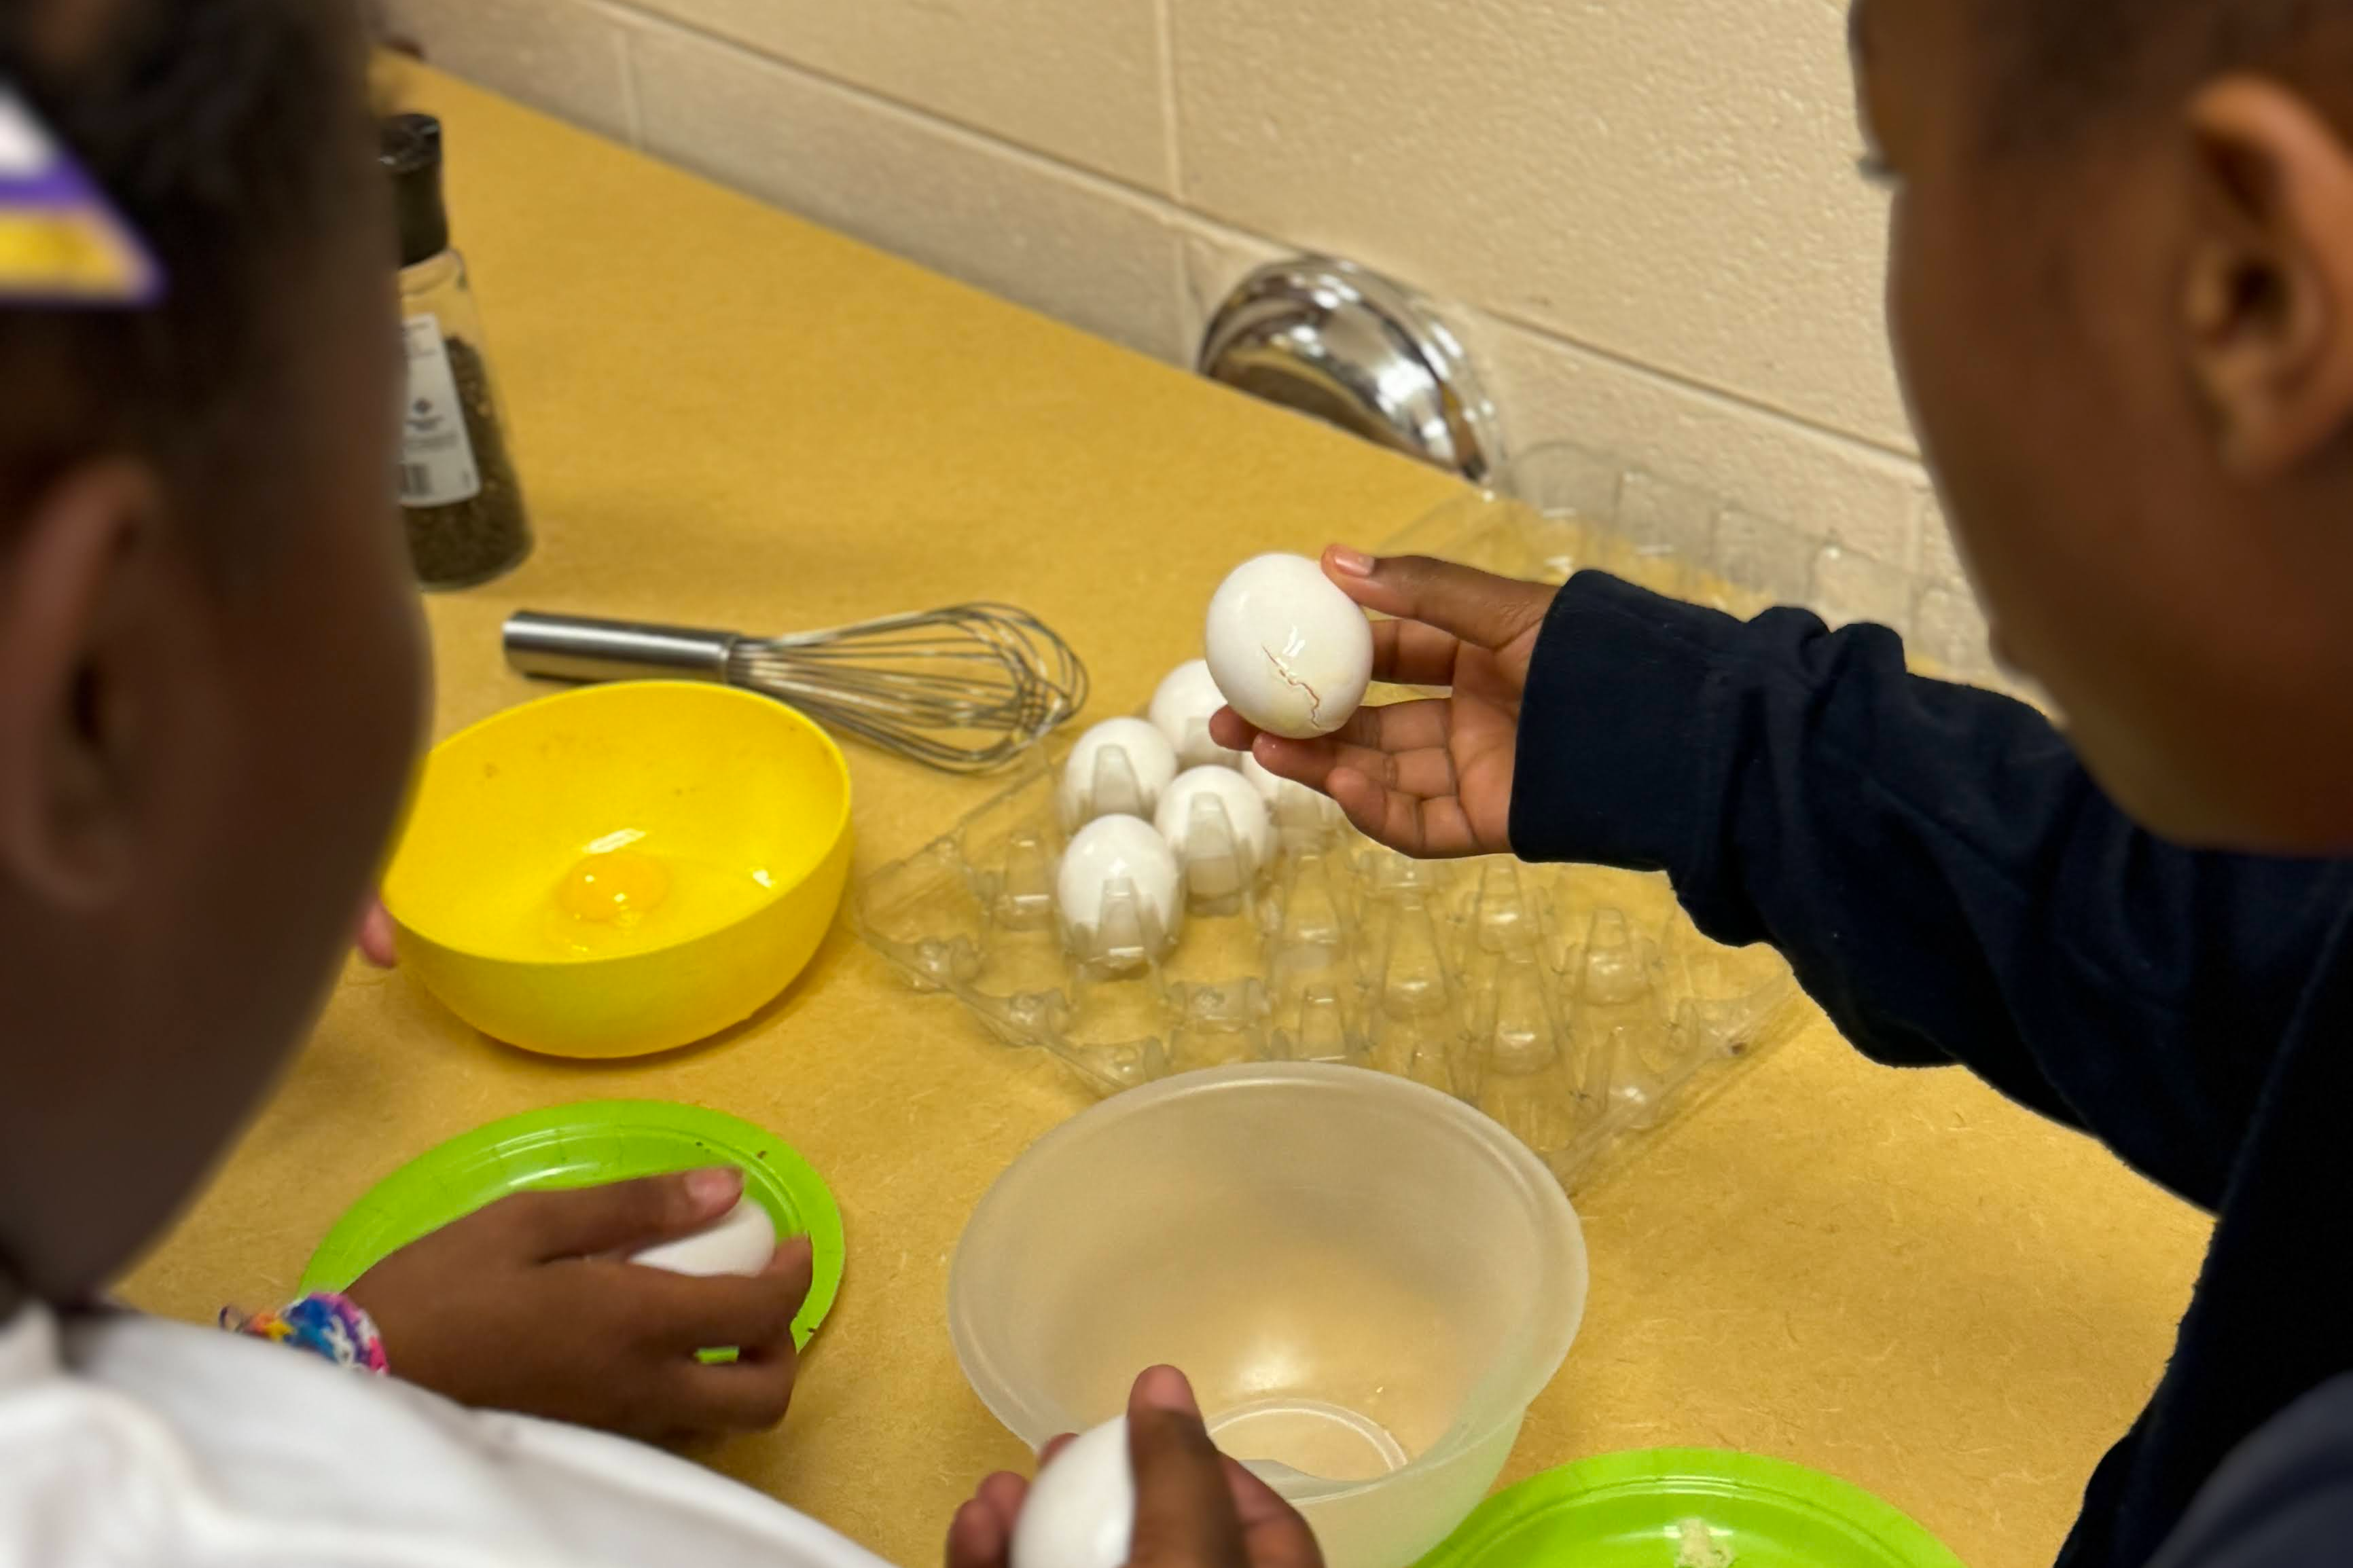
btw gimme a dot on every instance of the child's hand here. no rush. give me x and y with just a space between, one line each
1434 777
525 1305
375 940
1194 1506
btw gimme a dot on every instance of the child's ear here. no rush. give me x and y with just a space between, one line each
73 573
2268 309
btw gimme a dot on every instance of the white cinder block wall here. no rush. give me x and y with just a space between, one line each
1644 213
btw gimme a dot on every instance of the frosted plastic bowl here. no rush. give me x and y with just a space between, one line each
1366 1280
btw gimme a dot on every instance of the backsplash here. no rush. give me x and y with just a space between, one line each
1643 215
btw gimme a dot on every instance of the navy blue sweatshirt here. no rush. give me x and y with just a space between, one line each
1951 887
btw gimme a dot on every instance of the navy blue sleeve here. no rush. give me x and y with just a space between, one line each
1942 874
2283 1500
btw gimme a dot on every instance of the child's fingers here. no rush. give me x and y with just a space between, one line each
1477 606
1302 761
744 1395
1427 775
1184 1508
1005 1492
1405 799
981 1535
1420 767
795 1256
586 1222
1370 734
1398 726
1424 775
1411 653
375 941
1231 730
1277 1536
977 1538
684 1312
1427 828
1364 803
1389 727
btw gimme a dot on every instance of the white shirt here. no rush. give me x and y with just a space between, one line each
130 1442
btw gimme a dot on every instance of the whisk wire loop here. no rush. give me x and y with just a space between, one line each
966 689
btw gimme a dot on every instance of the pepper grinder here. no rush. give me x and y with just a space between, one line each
459 494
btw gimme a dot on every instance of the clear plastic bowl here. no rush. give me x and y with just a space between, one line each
1366 1280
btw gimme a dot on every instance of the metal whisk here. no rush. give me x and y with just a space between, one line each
965 689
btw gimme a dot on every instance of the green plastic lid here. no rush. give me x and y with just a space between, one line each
1687 1508
584 1145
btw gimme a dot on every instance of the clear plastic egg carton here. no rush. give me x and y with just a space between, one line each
1577 1006
1574 1004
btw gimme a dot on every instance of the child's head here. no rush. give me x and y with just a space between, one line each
2122 294
210 657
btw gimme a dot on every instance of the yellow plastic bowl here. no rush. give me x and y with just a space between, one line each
731 811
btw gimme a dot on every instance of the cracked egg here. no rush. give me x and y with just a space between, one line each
1290 652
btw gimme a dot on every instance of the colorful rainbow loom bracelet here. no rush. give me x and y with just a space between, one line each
329 1323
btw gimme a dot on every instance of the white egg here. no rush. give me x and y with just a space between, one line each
740 1241
1105 855
1219 858
1119 766
1080 1511
1181 709
1292 653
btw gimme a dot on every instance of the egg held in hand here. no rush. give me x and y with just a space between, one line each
740 1241
1292 653
1080 1511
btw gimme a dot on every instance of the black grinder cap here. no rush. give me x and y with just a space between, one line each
410 151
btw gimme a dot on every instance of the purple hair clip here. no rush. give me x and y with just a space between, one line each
61 241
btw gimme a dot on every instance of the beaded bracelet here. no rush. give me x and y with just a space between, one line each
329 1323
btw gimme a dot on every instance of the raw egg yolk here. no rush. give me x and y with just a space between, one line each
617 888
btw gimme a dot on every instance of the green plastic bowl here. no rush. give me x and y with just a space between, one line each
586 1145
1627 1511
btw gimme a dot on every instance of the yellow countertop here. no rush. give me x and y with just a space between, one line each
727 417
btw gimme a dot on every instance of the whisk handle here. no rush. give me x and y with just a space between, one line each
575 648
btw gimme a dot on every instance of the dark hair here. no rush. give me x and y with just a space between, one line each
2063 65
233 136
